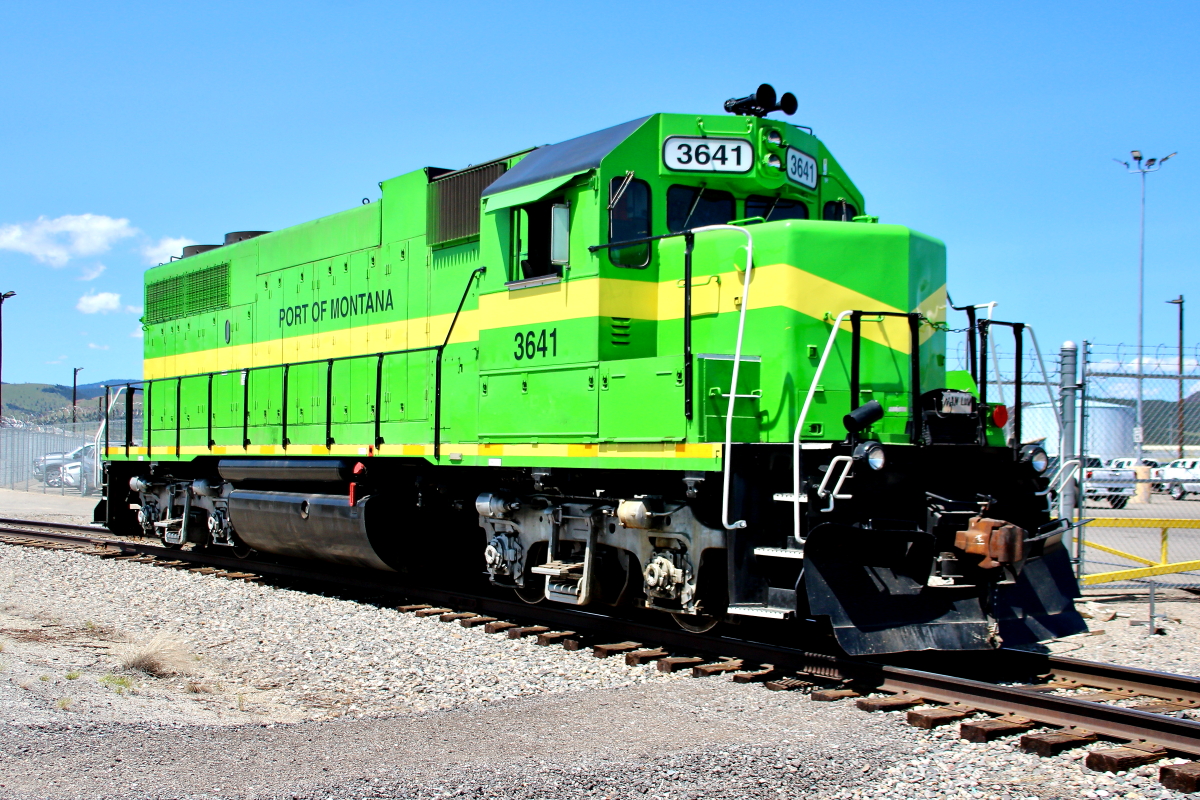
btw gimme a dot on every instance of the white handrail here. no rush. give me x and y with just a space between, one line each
737 362
812 389
103 425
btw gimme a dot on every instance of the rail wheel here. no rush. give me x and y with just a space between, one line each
695 623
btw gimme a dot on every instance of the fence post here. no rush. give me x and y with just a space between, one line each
1068 361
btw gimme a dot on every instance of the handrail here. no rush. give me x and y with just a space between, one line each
727 453
812 389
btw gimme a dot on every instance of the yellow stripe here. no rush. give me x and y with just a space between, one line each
771 286
1144 572
485 450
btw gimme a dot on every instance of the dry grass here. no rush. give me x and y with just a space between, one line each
200 687
159 656
65 703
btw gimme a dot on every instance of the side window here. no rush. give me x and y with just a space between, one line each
839 211
773 209
540 237
693 207
629 218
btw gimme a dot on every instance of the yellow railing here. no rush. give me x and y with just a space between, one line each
1161 567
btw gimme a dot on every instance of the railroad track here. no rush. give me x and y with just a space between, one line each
1064 703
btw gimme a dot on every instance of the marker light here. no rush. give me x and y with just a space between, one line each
774 137
773 161
1000 416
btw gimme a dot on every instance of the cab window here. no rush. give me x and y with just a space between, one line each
839 211
540 232
775 208
629 218
694 207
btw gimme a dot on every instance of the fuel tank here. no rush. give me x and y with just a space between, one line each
303 525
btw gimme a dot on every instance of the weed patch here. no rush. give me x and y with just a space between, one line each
158 656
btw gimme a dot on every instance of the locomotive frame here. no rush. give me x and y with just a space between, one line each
592 367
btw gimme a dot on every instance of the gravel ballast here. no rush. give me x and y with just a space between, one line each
300 695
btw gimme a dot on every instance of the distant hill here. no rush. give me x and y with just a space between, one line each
36 401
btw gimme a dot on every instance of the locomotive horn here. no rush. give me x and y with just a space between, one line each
762 102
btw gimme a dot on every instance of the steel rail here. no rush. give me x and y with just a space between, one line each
1176 734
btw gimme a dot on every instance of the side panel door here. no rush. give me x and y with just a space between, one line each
641 400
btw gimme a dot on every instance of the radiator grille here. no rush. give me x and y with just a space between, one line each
187 294
453 211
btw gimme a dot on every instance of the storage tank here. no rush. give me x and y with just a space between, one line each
1109 428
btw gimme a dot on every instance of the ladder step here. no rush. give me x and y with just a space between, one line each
790 497
760 610
557 569
779 552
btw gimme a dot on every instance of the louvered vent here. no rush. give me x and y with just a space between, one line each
619 327
453 211
187 294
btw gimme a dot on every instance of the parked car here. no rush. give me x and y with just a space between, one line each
1181 477
81 475
1129 463
1108 481
49 468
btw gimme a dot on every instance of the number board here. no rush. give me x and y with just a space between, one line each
802 168
706 154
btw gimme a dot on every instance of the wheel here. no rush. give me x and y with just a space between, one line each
1118 501
695 623
1177 492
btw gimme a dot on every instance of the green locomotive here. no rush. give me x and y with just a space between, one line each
669 365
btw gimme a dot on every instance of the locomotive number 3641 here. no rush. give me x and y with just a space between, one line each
532 344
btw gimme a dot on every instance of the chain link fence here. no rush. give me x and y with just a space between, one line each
53 454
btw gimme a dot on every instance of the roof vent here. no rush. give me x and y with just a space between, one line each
197 249
241 236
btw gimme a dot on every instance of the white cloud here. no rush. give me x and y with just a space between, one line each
91 273
58 360
94 346
99 303
161 252
56 241
134 309
138 334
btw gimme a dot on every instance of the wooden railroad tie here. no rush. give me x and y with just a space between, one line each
789 684
1127 757
718 668
929 718
896 702
1159 707
645 656
1180 777
432 612
1100 697
498 626
763 673
1052 743
606 650
455 616
417 607
676 663
574 644
982 731
830 695
532 630
552 637
471 622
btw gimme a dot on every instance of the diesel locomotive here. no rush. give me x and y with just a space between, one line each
668 366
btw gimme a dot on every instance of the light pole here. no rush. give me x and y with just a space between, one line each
1151 165
1178 301
74 387
3 297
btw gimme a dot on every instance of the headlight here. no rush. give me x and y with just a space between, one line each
774 137
773 161
872 453
1035 457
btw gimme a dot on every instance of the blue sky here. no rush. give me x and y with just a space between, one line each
991 126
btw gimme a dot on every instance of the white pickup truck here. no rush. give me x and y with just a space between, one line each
1108 481
1181 477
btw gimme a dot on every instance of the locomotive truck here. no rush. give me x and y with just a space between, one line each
671 365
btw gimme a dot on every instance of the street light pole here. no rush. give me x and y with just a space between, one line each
1178 301
3 297
74 388
1151 165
